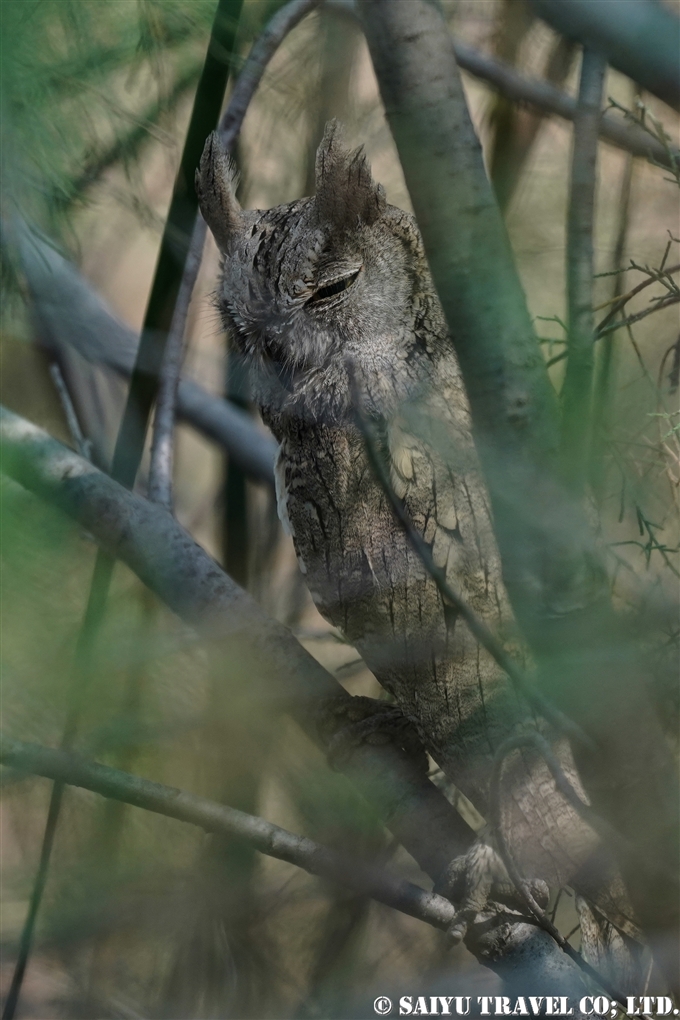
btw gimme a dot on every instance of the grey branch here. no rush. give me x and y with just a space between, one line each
280 671
82 445
549 99
264 48
281 674
577 388
72 315
74 770
162 444
640 38
160 472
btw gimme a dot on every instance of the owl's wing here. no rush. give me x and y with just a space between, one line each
435 470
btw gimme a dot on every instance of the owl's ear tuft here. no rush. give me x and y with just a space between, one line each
216 180
346 194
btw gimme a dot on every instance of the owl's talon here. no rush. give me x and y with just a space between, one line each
477 882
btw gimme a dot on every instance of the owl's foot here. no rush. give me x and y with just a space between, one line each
349 722
478 883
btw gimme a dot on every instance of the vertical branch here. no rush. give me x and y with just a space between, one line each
162 445
235 519
577 388
517 128
604 365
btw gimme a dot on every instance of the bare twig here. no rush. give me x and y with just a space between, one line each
73 770
264 48
82 445
655 276
577 387
478 628
666 302
606 326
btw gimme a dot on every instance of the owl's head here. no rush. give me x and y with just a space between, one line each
310 286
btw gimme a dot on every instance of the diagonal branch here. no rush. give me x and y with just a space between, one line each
281 673
73 770
72 315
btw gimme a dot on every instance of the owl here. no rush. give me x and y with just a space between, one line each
330 300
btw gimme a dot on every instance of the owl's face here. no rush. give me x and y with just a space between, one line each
310 286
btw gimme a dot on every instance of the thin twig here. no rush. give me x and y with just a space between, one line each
604 330
82 445
656 276
477 627
263 49
73 770
666 302
577 388
522 886
162 444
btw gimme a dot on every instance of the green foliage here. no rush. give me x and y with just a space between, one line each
83 80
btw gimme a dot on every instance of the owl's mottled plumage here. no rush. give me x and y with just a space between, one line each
342 277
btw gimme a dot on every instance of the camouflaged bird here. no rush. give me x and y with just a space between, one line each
337 286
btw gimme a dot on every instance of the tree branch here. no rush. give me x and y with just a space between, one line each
638 37
73 770
549 99
72 315
576 392
281 674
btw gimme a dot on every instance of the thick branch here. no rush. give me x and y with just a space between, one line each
73 770
640 38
